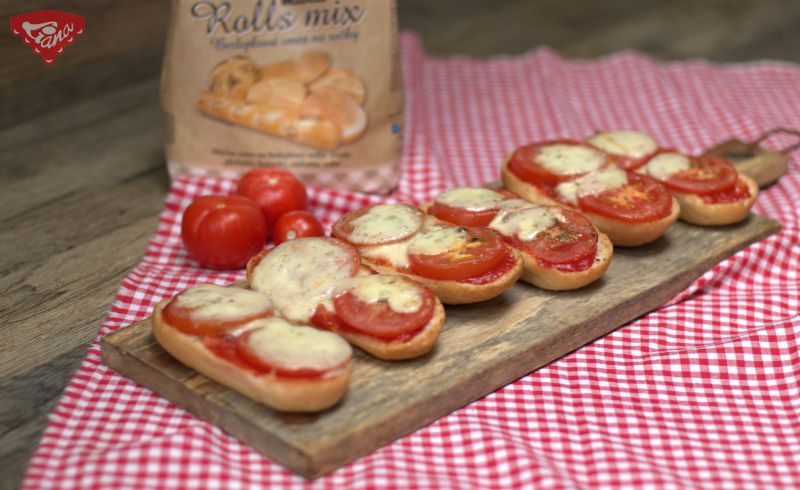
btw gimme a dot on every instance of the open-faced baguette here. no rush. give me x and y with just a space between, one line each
699 212
556 280
280 393
621 233
457 292
314 132
396 350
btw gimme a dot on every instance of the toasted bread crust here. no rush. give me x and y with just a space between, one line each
284 394
698 212
458 293
555 280
621 233
625 234
399 350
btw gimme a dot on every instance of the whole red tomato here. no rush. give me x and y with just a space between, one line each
223 232
296 224
275 190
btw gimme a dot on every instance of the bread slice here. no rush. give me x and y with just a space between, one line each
283 394
698 212
556 280
395 350
455 292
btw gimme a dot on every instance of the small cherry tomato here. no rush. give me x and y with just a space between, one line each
223 232
275 190
296 224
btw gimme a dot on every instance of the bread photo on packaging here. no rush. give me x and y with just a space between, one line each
313 87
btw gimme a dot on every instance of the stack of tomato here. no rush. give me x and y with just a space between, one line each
224 232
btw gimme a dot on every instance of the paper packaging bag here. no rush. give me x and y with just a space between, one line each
309 85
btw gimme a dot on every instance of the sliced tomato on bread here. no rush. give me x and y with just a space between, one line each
709 189
391 317
208 309
548 163
469 206
231 336
560 248
280 348
425 256
627 149
381 224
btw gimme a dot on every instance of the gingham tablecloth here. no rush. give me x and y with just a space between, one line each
701 393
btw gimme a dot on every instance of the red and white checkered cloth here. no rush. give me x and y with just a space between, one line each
701 393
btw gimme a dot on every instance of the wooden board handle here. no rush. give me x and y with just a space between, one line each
763 165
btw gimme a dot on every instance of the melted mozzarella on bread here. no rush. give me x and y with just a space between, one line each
384 223
436 242
471 198
626 143
592 183
402 295
525 223
288 346
569 159
299 274
396 254
210 302
665 165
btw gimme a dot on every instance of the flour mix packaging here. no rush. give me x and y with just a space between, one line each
309 85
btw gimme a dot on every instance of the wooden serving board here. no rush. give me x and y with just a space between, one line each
483 347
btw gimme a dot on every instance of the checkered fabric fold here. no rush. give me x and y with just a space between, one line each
701 393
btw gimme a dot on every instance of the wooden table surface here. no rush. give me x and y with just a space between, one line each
82 173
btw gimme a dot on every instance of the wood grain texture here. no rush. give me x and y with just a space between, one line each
482 347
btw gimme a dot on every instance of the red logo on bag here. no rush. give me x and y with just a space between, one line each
47 31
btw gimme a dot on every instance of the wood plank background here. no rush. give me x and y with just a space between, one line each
82 175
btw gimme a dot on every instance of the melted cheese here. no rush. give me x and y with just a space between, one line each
626 143
299 274
384 223
288 346
437 241
471 198
592 183
396 254
569 159
402 295
665 165
210 302
525 223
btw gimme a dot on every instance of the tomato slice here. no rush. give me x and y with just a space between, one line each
641 200
292 359
469 212
192 311
379 316
474 252
568 244
380 224
525 162
707 175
